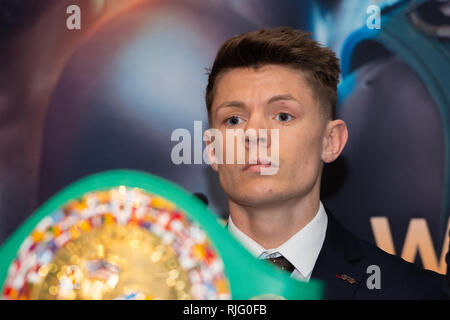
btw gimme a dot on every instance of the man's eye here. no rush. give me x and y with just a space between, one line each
232 121
283 117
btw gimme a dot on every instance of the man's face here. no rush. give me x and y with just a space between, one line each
270 97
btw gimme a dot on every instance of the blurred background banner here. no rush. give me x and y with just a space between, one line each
108 93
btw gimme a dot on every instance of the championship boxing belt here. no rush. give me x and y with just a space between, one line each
130 235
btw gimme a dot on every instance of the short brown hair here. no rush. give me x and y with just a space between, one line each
282 46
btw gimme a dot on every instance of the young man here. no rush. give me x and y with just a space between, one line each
281 79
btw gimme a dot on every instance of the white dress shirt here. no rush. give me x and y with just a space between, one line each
301 250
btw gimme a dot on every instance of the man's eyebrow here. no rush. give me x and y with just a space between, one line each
281 97
233 103
240 104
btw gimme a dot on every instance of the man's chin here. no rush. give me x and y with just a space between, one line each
256 194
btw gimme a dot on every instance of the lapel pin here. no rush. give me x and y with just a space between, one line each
346 278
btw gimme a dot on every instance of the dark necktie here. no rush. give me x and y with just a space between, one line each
282 263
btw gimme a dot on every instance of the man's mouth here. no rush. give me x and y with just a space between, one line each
256 166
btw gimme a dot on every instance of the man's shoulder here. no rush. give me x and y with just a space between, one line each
381 275
394 262
399 276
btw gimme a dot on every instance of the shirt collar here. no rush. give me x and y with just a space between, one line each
302 249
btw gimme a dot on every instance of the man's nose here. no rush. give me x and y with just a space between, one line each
257 132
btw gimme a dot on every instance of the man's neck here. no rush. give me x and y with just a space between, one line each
274 224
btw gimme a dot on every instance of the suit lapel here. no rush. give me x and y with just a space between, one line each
336 264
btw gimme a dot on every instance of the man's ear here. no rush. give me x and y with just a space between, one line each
336 135
210 151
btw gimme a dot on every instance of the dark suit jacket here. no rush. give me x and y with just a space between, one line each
343 261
